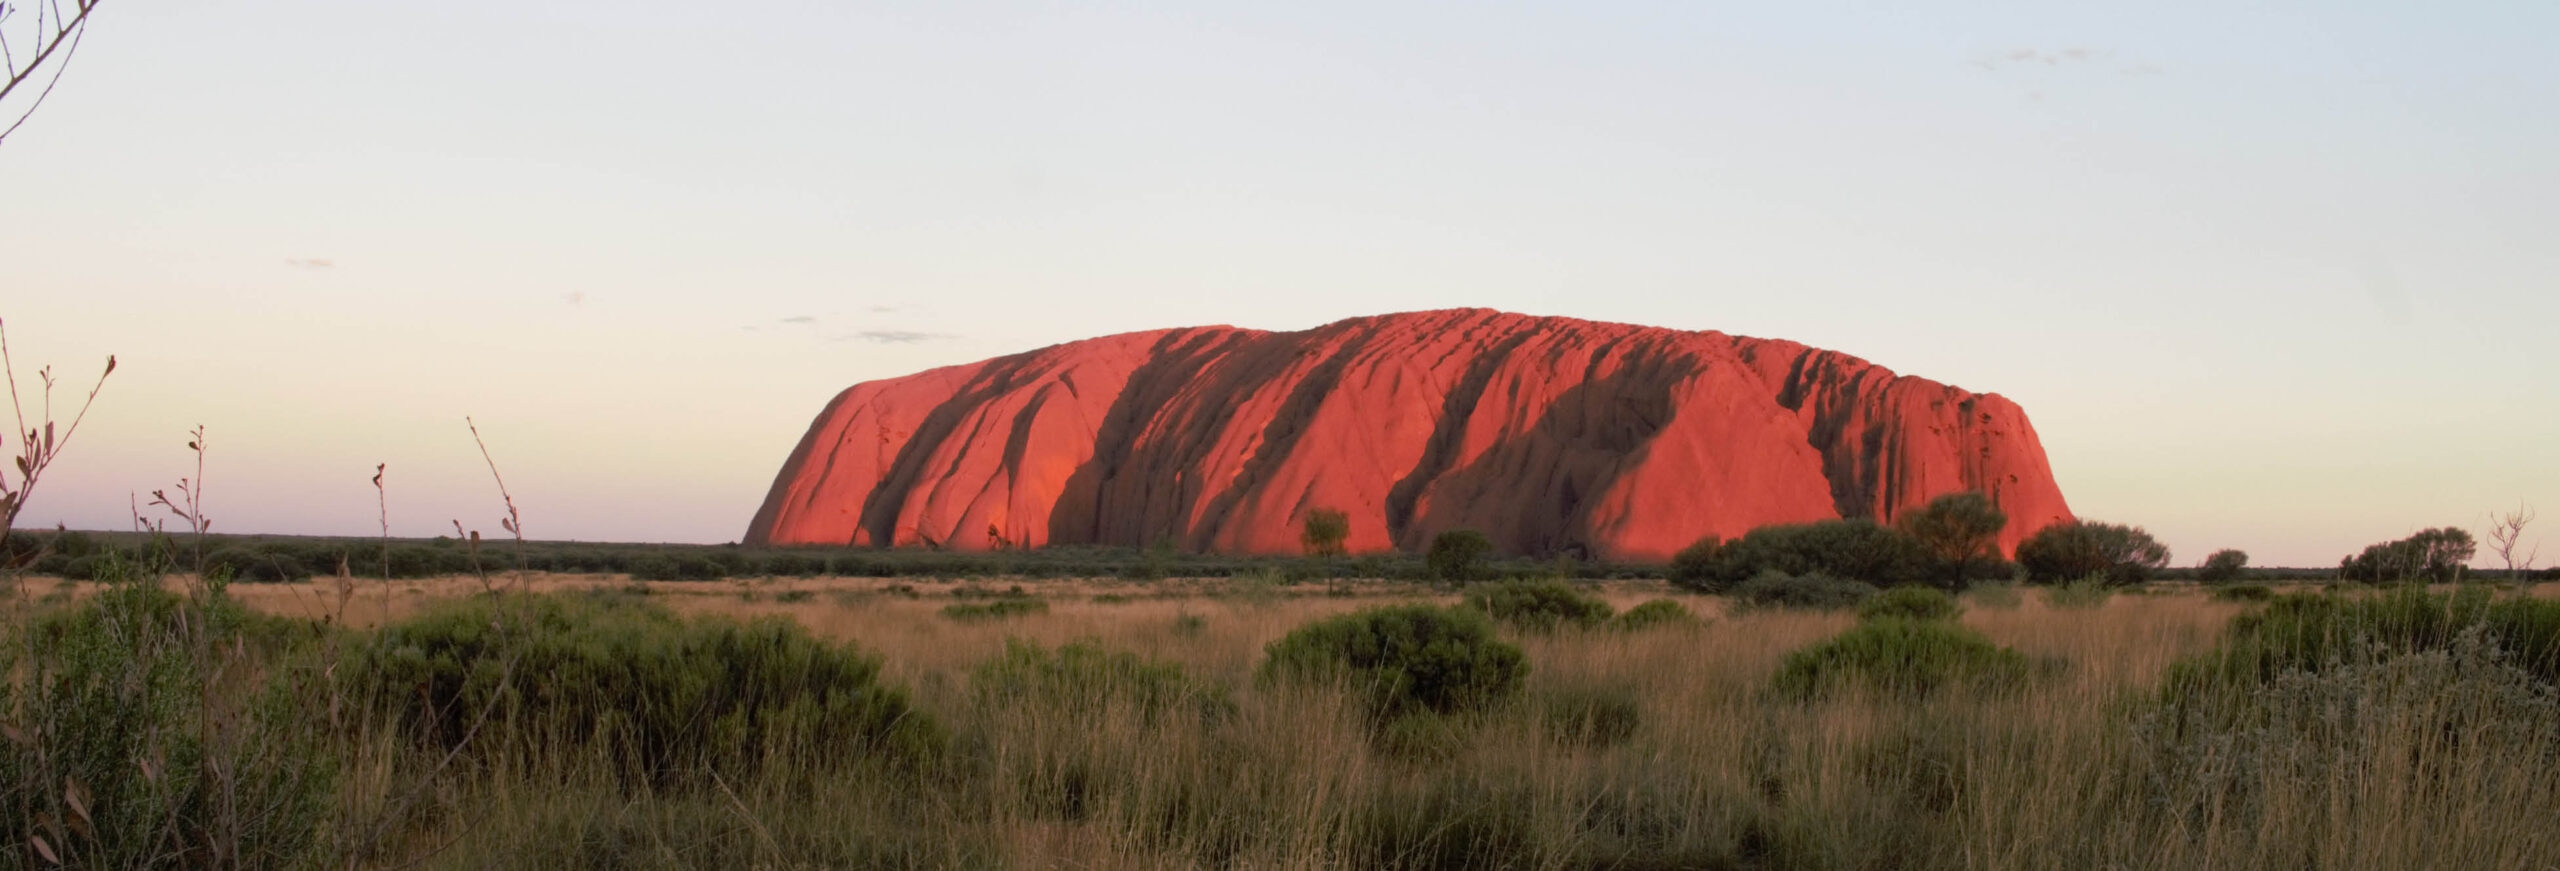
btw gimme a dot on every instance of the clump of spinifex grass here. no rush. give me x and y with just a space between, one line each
999 609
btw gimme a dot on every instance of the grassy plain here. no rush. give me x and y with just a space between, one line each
1663 748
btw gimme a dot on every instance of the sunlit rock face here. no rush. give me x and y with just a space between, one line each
1546 434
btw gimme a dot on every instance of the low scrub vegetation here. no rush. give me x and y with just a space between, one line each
1910 603
156 719
2311 631
1402 659
1652 614
1903 658
1813 592
670 699
2076 550
1538 606
999 609
2244 593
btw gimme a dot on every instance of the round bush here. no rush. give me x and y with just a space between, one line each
2077 549
2244 593
2223 567
1912 603
1902 657
1812 592
1695 565
1538 606
1457 556
1083 681
1403 658
1659 612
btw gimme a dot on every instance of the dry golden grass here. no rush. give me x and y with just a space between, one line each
1717 771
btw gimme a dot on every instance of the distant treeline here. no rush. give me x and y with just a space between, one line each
77 555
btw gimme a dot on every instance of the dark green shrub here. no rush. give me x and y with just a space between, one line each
2083 594
1997 596
82 568
1696 566
1855 549
2244 593
788 597
1081 679
74 543
1904 658
698 567
1591 716
1324 531
1814 592
1655 613
654 567
2457 720
426 561
2076 549
2308 631
2433 555
134 738
1910 603
1959 535
666 698
793 565
1457 556
2223 567
1538 606
1403 658
242 564
999 609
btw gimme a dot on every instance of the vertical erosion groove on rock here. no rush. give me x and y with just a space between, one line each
1547 434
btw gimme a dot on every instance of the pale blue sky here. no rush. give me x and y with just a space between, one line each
2272 276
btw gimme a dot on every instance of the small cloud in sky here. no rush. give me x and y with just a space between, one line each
311 263
2061 57
2040 56
882 309
800 319
574 298
890 337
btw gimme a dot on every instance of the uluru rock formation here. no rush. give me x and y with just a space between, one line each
1546 434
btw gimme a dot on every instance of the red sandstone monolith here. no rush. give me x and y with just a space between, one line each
1546 434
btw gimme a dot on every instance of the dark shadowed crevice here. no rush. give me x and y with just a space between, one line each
1448 433
880 509
1279 439
1612 416
1171 364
